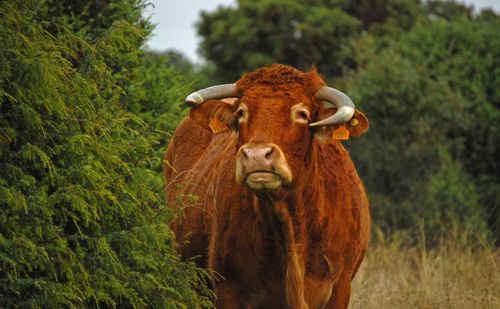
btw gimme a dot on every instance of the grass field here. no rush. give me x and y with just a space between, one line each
455 273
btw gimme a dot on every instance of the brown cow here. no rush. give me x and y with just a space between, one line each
282 215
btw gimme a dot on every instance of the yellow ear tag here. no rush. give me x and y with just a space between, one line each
341 133
217 126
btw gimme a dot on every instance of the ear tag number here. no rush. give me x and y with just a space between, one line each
341 133
217 126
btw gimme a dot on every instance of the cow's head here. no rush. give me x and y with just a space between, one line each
278 114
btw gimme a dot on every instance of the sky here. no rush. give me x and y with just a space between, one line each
175 20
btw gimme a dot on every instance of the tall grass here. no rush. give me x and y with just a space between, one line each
459 271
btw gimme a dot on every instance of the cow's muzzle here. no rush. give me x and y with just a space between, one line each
262 166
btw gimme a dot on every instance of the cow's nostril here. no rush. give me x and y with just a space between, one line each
246 153
268 152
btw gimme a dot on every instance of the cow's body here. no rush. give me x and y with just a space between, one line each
297 245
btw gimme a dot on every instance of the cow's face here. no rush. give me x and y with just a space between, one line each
273 136
277 118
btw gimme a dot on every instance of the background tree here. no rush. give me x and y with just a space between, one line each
449 10
432 97
382 16
297 33
258 33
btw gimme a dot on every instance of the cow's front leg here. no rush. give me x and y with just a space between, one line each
341 294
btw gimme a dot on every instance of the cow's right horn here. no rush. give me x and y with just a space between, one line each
344 105
210 93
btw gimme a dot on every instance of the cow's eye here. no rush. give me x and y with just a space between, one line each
301 116
240 114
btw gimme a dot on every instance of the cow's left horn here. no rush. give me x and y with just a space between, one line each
210 93
344 105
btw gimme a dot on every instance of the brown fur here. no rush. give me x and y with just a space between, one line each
298 246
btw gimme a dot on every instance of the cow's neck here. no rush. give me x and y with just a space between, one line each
278 217
291 227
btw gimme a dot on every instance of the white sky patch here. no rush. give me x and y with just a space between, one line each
175 24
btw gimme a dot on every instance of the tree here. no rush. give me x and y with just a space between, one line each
297 33
259 33
82 218
432 97
449 10
382 16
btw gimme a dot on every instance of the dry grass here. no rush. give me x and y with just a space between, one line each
457 273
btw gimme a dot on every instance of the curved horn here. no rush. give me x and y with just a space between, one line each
214 92
344 105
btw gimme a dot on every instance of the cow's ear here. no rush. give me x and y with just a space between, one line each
215 115
356 126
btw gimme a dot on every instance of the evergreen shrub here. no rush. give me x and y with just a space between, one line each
82 215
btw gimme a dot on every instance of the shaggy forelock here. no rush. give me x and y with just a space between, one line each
281 76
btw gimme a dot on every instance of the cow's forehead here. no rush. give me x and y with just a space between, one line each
278 96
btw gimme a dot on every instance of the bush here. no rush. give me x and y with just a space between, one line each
156 94
82 217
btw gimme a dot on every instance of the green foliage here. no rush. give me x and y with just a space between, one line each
385 16
259 33
82 216
157 95
448 10
432 98
90 19
297 33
